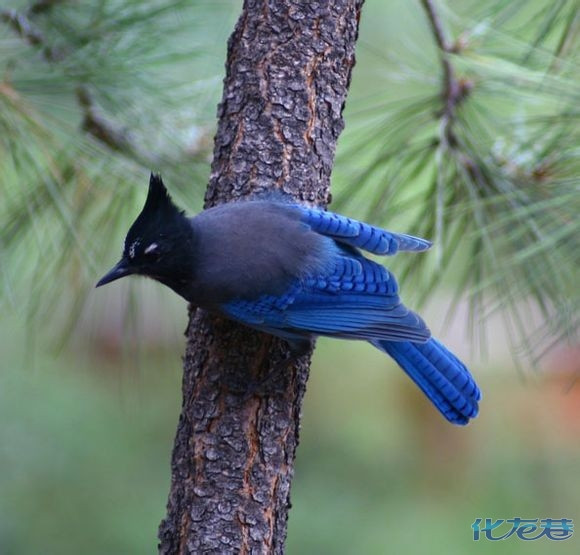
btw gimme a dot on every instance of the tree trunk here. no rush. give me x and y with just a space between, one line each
288 70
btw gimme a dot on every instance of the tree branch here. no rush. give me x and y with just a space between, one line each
288 70
108 132
95 121
22 26
436 25
454 90
453 94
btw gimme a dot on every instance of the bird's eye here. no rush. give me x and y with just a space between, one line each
151 249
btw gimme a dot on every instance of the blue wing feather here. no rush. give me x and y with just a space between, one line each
360 235
358 300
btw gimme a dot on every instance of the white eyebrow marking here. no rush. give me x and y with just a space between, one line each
152 247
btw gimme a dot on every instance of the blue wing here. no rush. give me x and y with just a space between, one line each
357 300
360 235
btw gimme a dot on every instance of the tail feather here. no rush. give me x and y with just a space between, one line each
439 374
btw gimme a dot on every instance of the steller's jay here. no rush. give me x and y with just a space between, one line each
296 273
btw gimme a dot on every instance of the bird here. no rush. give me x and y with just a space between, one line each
295 272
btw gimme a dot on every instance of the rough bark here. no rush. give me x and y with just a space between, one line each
288 70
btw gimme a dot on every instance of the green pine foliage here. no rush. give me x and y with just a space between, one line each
93 96
477 146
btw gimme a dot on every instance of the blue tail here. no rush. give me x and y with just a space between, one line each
439 374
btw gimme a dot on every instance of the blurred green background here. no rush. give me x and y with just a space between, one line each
87 423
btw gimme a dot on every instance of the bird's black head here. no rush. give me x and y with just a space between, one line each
158 242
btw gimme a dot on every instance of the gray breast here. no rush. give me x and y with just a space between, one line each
252 248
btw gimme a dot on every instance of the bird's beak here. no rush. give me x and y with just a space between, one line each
120 270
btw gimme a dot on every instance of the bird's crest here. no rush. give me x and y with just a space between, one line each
158 197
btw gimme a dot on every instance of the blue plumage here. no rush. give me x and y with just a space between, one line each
439 374
356 300
358 234
359 299
297 273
